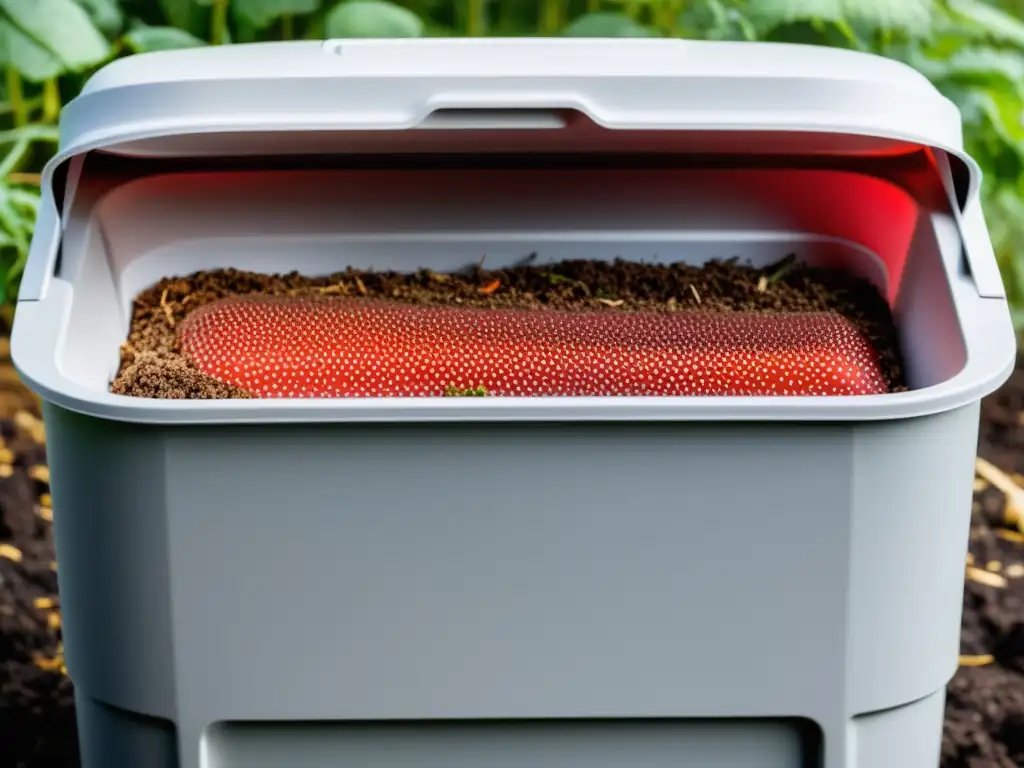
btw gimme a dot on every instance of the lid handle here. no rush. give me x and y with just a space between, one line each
492 119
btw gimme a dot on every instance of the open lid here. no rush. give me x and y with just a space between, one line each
504 95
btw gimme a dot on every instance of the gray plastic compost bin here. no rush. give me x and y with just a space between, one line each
741 582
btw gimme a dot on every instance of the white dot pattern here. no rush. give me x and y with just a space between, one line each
301 347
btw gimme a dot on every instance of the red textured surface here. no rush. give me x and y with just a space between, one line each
293 347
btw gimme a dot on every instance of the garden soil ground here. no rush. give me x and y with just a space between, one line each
985 707
152 365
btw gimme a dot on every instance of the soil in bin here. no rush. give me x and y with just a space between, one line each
152 364
984 725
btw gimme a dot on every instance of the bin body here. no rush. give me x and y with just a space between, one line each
554 582
678 577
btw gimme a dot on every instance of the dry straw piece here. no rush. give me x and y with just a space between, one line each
980 660
10 553
1012 536
40 473
1014 494
30 425
987 578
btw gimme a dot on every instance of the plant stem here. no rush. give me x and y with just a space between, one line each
219 22
287 27
476 18
16 95
30 179
51 100
550 17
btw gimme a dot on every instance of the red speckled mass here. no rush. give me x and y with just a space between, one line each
300 347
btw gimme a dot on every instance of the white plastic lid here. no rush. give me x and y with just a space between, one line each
225 100
498 95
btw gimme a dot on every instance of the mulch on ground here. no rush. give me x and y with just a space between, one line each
153 365
984 711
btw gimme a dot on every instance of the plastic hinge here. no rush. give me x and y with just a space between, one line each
978 253
46 240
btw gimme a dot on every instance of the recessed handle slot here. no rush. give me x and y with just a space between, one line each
493 119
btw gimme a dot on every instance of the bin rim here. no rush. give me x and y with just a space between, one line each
270 88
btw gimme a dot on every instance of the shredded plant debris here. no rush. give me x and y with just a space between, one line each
152 363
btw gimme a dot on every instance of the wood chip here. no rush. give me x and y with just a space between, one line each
490 288
46 513
6 456
980 484
993 565
53 620
970 559
360 286
43 603
6 470
985 577
696 295
1013 536
977 661
10 553
53 565
45 500
40 473
1015 571
762 284
611 303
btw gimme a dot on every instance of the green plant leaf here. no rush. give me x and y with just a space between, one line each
909 16
717 21
606 24
30 59
15 226
372 18
986 66
61 27
262 13
185 14
105 14
25 200
770 13
143 39
996 23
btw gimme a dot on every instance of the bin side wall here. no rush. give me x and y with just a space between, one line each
110 529
511 570
911 508
508 570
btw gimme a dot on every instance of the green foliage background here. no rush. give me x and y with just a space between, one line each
973 50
